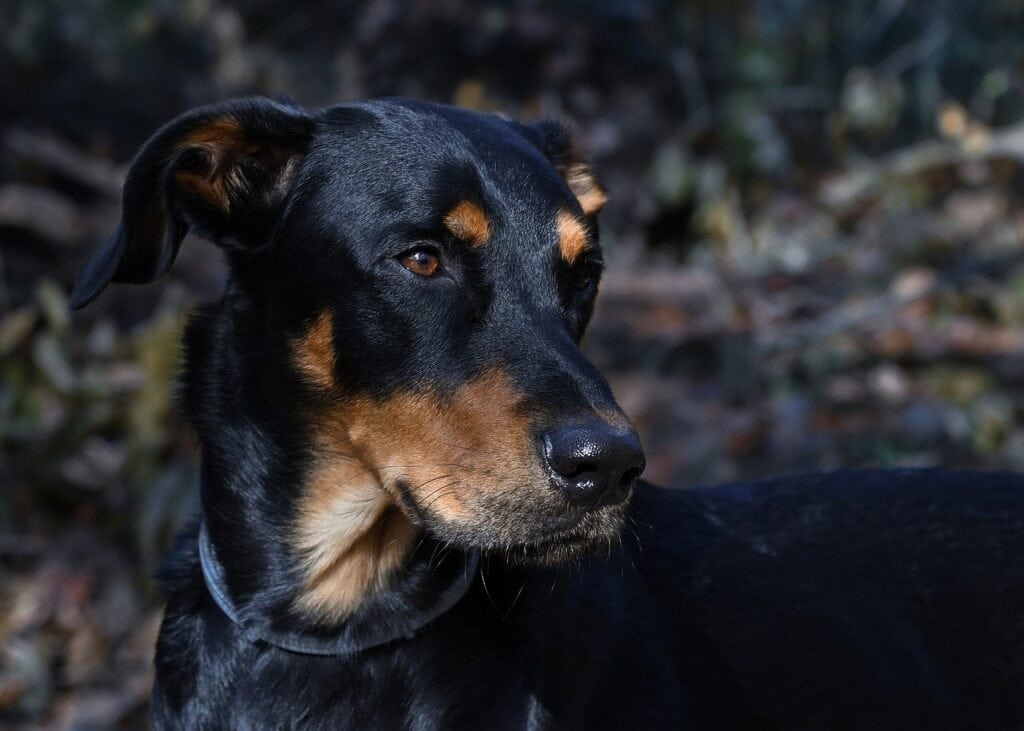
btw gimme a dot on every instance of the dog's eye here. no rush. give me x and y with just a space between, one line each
583 279
423 260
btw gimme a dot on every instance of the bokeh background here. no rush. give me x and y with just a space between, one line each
815 239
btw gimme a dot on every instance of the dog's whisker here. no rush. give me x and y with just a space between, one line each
483 583
428 505
423 484
514 602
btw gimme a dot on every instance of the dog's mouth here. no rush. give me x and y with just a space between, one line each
541 538
519 514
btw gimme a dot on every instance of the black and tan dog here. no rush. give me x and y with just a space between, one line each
419 501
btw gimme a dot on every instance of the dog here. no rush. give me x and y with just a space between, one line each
421 505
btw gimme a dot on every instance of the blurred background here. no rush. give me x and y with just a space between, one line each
815 238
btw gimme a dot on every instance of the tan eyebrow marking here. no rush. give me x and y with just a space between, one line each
585 187
572 236
468 221
313 354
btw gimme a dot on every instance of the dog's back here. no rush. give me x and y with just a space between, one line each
861 600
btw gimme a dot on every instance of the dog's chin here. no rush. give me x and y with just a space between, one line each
561 549
595 534
531 537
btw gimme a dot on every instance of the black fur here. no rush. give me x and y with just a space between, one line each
860 600
851 600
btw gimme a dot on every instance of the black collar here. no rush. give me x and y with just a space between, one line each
384 620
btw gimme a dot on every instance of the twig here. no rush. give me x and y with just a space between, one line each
850 188
860 314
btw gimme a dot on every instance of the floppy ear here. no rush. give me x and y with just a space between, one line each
558 145
223 171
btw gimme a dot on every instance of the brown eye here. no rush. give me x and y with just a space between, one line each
422 261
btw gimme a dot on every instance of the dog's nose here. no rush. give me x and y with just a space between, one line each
592 463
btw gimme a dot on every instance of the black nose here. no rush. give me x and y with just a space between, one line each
592 463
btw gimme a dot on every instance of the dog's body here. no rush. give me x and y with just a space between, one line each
414 484
839 601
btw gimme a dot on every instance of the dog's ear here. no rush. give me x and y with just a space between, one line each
557 143
223 171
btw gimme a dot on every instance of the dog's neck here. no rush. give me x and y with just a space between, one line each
303 531
350 537
338 548
425 587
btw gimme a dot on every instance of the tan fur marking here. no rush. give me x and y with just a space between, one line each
454 454
313 354
468 222
222 139
212 189
350 535
340 585
572 236
585 187
223 133
416 434
481 418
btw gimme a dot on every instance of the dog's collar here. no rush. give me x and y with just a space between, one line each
357 634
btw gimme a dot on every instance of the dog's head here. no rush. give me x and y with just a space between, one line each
421 276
